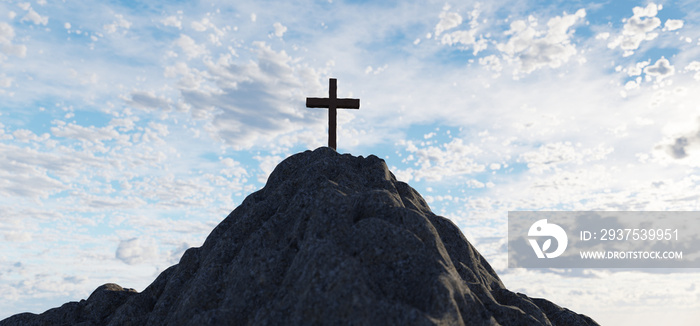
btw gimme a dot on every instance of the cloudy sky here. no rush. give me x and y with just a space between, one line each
129 129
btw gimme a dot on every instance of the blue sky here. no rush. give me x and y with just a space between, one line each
128 130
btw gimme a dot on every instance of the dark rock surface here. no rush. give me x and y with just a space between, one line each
331 239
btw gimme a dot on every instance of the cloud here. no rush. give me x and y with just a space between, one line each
437 162
694 66
451 20
678 148
216 33
21 180
375 71
7 34
172 21
119 23
33 16
87 135
25 136
638 68
14 236
245 103
190 47
5 81
660 69
491 62
137 250
149 100
673 24
533 51
34 174
638 28
448 20
233 169
683 146
553 155
267 164
462 37
279 29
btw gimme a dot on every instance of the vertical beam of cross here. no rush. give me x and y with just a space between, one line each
332 103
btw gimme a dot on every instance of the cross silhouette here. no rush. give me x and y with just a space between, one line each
332 103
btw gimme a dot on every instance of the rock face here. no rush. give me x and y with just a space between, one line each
331 239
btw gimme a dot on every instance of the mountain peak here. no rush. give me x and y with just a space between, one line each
330 239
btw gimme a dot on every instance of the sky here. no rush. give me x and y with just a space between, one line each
128 129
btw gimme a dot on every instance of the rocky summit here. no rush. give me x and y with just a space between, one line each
330 240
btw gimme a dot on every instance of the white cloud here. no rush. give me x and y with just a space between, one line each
248 102
20 181
14 236
190 47
637 29
551 156
633 84
216 33
491 62
137 250
172 21
649 11
673 24
253 17
448 20
463 37
233 169
149 100
32 15
26 173
661 69
169 191
119 23
533 51
375 71
279 29
451 20
85 134
267 165
25 136
636 70
681 144
442 161
200 26
5 81
7 34
123 125
472 183
694 66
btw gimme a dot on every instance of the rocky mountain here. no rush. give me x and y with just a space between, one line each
331 239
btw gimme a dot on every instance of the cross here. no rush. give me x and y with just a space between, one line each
332 103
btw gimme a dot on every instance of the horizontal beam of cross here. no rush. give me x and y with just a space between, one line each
340 103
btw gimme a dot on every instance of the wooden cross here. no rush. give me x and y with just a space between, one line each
332 103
